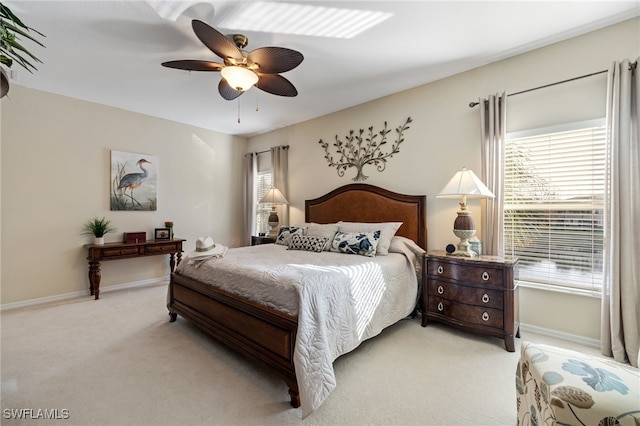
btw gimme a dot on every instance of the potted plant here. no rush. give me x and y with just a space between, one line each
11 50
98 227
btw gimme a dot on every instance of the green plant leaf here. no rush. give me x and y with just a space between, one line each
10 26
24 33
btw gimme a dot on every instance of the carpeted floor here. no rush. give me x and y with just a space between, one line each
118 361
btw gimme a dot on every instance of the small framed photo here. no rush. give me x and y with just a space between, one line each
162 234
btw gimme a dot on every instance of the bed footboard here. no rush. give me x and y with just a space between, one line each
258 332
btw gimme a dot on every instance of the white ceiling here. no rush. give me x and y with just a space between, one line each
109 52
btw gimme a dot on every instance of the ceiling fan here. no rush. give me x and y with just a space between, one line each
242 70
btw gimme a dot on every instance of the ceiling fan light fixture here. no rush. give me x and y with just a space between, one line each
240 78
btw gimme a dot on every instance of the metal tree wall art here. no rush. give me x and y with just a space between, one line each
358 150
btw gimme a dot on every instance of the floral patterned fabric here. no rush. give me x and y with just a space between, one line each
561 387
285 233
362 243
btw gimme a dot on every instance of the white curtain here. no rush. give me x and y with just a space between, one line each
493 119
620 330
280 170
250 168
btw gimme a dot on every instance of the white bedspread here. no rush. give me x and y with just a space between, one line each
340 299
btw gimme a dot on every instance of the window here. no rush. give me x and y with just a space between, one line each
263 184
554 206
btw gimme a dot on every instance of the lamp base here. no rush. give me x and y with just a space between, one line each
273 222
464 250
464 247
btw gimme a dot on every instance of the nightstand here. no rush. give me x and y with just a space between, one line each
478 294
256 240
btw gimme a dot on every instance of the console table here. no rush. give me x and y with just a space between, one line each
115 251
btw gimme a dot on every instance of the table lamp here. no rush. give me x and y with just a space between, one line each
275 197
464 184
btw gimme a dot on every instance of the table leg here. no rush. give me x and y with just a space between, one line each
94 278
509 343
174 260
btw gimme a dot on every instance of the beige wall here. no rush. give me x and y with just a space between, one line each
55 155
444 137
55 177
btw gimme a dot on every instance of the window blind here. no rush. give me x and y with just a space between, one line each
554 207
264 183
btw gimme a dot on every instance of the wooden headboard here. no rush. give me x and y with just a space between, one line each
360 202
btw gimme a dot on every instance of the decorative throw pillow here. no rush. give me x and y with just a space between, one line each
327 231
307 243
362 243
388 230
285 233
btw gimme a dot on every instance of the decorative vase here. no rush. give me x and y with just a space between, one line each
4 83
98 241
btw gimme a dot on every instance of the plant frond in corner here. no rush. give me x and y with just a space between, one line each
11 31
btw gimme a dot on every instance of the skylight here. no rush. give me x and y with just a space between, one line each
302 19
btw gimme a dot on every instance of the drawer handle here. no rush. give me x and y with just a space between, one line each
440 306
440 289
485 276
485 316
485 298
440 269
121 251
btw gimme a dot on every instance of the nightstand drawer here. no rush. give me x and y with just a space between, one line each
469 314
470 273
465 294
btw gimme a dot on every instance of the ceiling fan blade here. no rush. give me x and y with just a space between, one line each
226 91
216 41
276 85
193 65
274 60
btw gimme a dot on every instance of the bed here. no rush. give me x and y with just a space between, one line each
280 338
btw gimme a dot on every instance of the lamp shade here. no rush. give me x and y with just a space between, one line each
465 182
274 196
240 78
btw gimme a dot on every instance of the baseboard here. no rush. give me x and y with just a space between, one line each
574 338
76 294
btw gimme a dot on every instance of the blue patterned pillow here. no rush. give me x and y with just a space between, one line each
362 243
285 233
307 243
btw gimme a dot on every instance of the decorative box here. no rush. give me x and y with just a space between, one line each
135 237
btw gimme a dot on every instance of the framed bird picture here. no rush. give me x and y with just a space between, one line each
133 181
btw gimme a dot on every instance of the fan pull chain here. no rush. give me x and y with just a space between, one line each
257 100
238 110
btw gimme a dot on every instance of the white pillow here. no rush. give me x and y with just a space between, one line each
303 225
323 231
388 230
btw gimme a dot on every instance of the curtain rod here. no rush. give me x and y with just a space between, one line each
268 150
472 104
